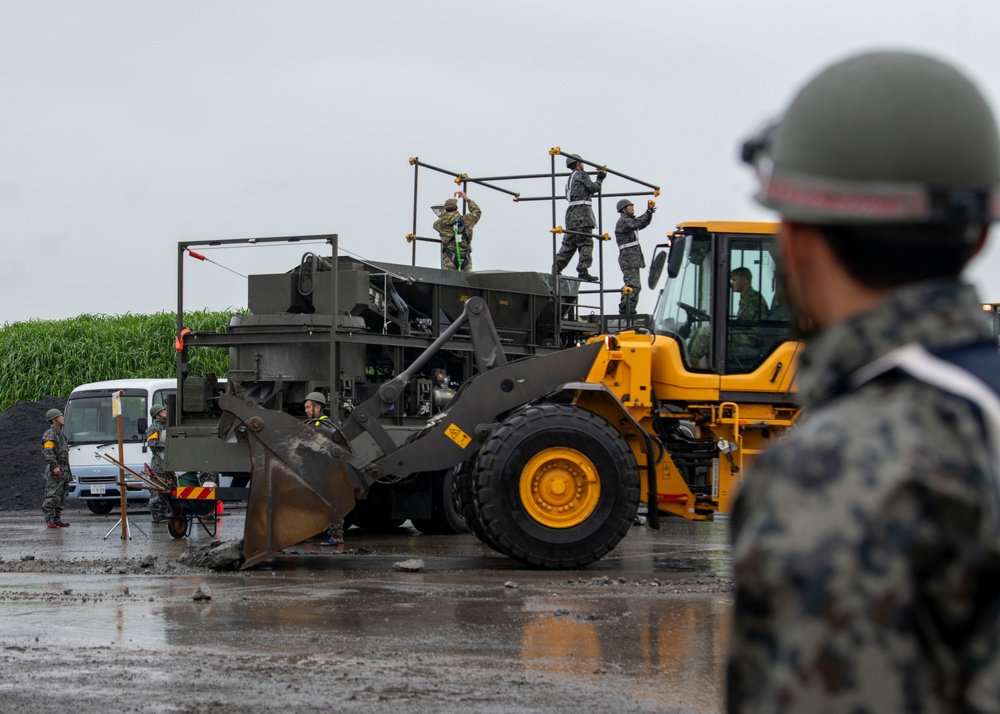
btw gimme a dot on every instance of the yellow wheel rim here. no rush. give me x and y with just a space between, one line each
560 487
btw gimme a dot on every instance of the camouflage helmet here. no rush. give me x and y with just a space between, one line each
156 409
316 397
52 414
882 137
622 204
572 160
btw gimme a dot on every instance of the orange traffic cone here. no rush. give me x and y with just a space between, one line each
219 508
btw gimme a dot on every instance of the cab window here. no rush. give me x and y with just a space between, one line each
756 321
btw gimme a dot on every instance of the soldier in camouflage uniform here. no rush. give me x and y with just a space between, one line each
866 545
630 257
579 217
752 305
156 434
451 225
57 474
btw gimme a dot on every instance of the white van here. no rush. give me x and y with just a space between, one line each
91 429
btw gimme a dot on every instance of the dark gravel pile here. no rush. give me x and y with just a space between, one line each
21 462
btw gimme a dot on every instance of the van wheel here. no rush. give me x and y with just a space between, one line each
101 507
556 486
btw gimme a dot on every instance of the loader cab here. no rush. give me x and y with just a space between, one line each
721 299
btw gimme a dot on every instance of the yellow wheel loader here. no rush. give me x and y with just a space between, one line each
547 457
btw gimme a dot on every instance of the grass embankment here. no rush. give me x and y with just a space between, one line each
41 358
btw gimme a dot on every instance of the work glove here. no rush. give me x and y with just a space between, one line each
601 175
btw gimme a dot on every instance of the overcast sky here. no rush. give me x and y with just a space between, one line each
128 126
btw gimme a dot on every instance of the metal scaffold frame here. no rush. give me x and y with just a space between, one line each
463 179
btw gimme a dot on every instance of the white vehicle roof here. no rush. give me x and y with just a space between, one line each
149 384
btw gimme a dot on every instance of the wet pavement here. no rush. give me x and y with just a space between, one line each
105 623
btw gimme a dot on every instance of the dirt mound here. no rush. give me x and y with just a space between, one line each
22 486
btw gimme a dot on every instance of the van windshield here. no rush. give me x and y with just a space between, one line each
89 419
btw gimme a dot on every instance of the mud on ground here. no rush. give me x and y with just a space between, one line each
98 625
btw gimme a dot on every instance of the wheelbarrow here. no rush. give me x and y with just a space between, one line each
191 503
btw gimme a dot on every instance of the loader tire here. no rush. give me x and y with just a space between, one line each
466 483
446 518
556 486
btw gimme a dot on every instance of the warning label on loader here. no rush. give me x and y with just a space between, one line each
454 433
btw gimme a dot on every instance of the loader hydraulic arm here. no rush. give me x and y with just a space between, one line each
486 351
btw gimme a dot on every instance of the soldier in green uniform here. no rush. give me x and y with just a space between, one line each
455 231
57 474
866 545
752 306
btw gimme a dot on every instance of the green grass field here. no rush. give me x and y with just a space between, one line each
41 358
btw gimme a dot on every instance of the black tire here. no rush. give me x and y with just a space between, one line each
101 507
446 518
177 526
469 508
583 477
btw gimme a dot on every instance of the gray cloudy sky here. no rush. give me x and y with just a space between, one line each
128 126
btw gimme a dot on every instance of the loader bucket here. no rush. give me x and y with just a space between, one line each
300 483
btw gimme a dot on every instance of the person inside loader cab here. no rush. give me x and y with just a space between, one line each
752 305
866 545
455 231
313 406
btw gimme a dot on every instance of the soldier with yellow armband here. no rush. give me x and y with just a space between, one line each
57 474
159 507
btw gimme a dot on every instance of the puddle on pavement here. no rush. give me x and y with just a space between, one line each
552 628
